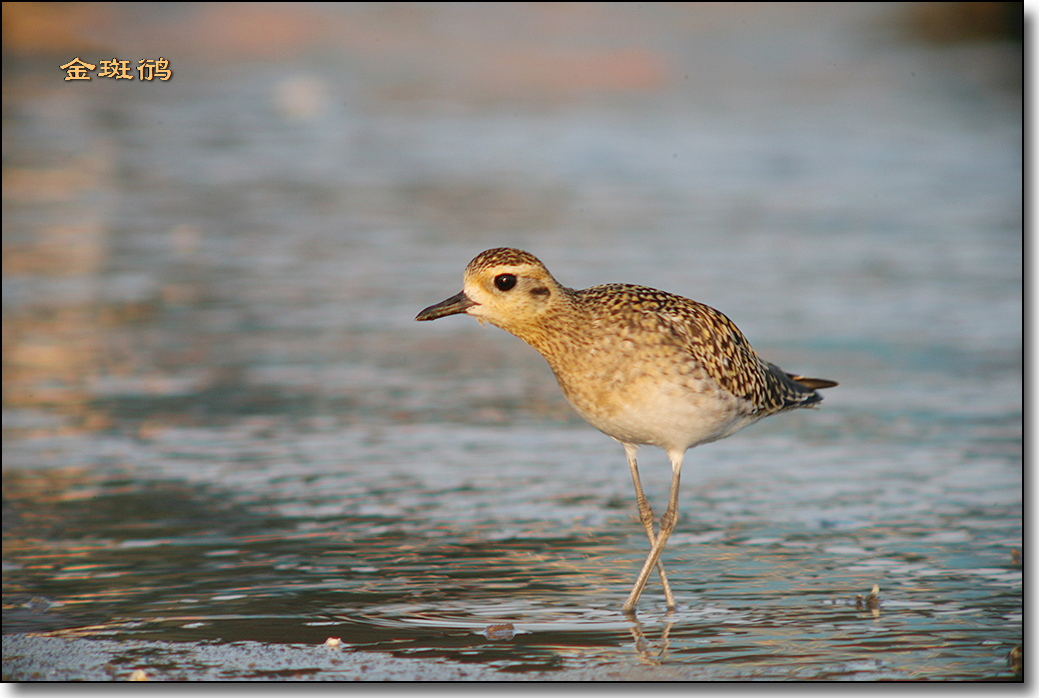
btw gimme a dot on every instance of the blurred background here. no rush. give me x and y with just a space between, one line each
212 378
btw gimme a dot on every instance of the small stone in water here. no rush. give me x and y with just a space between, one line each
500 631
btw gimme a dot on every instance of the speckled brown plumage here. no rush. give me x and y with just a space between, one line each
712 340
641 365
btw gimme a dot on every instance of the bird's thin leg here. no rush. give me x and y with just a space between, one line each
646 516
667 526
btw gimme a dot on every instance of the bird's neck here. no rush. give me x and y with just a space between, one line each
558 331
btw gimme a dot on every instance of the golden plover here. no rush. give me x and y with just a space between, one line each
640 365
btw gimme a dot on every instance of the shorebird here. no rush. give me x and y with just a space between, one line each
643 366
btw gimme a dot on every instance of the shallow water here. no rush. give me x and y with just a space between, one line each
225 439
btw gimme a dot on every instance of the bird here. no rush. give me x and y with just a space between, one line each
643 366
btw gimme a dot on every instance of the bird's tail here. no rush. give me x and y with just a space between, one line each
788 391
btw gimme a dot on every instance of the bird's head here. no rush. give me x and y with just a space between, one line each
504 286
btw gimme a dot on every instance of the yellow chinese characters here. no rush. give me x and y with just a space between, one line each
147 69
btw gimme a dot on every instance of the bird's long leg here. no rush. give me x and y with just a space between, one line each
667 526
646 516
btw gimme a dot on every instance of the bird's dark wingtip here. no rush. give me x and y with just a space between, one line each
814 383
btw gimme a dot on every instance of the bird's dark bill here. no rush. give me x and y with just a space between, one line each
452 306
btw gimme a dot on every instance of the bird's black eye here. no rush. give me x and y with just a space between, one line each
504 282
